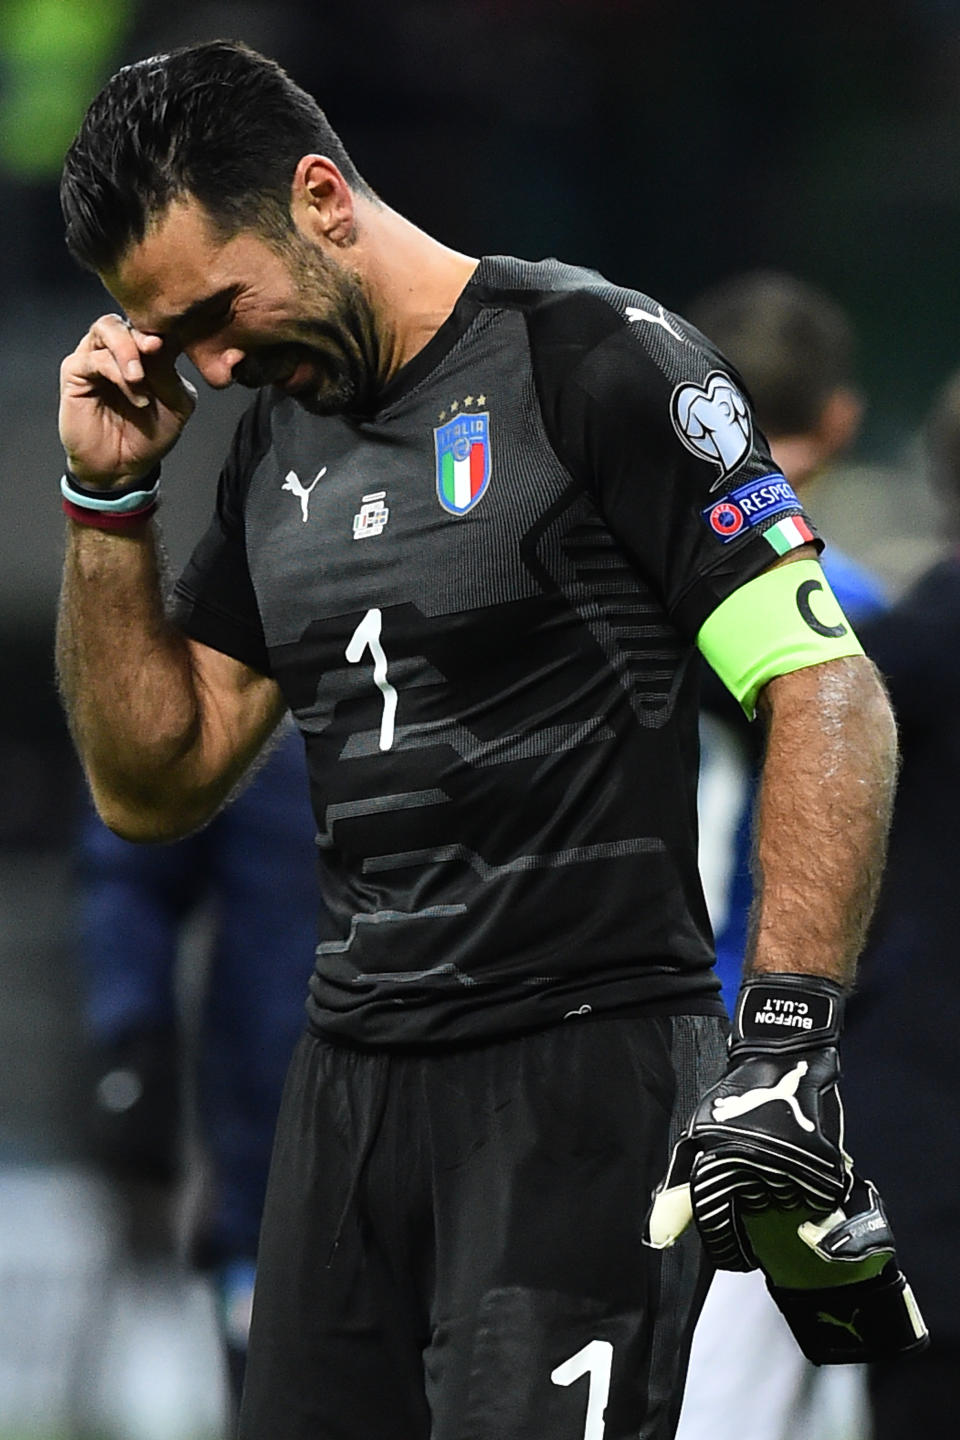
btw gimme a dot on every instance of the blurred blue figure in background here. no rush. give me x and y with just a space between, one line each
900 1065
794 348
247 885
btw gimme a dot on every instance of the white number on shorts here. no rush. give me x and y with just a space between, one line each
367 637
595 1360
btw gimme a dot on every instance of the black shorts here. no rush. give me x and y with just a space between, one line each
451 1245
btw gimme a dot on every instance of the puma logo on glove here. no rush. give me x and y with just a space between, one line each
727 1107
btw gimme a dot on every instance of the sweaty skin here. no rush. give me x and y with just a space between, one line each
822 819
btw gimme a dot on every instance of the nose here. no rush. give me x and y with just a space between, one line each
215 362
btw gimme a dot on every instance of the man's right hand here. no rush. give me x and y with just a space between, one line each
123 403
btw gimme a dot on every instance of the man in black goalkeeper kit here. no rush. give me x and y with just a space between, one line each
473 528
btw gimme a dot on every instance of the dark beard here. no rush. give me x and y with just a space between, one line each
342 346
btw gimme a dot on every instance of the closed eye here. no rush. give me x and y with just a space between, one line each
206 317
203 317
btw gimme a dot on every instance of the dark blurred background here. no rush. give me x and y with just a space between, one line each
666 144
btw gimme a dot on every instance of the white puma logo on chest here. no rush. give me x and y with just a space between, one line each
295 485
728 1107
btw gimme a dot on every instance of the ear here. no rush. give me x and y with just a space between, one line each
321 202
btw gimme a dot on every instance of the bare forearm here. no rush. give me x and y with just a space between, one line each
165 726
125 672
822 818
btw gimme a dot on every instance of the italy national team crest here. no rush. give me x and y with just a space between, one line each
463 460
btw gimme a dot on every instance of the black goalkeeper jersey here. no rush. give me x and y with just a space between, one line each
480 604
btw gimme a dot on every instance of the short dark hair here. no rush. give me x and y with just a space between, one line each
791 342
214 120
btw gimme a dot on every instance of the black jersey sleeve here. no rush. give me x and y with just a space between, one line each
214 600
660 427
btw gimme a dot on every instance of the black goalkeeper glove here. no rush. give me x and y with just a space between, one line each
770 1132
762 1161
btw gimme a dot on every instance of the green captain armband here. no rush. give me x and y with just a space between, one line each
784 620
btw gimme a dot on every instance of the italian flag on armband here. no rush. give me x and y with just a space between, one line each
788 534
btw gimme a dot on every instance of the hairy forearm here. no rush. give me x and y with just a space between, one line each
126 679
823 815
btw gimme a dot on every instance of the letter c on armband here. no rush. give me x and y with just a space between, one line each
804 592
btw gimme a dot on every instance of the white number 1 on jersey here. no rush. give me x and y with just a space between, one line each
595 1360
367 637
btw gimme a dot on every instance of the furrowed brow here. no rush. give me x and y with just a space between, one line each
202 309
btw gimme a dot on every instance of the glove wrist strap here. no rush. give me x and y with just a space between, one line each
776 1013
871 1320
